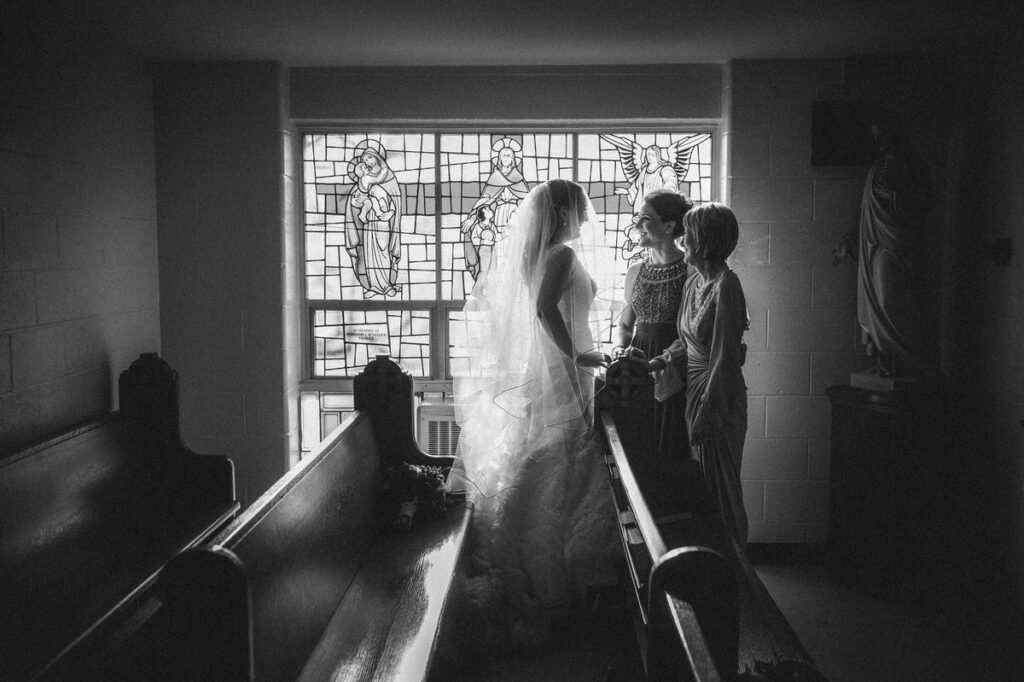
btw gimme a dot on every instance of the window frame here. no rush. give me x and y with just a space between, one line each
439 309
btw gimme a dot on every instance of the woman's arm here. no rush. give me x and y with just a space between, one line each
627 318
673 354
624 329
724 355
556 277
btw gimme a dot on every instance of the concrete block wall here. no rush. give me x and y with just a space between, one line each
79 295
804 335
988 307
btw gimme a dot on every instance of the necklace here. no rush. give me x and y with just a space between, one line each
659 272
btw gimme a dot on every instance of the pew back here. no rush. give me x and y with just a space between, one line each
302 544
686 610
679 553
88 518
307 583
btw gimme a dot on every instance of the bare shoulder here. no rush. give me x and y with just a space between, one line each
560 253
559 260
631 274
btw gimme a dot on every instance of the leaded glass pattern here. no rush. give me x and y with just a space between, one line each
370 222
344 341
400 220
483 179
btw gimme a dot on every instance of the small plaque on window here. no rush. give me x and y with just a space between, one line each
372 334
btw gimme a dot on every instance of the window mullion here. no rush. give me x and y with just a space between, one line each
436 333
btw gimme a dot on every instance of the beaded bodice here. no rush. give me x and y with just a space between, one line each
700 313
657 292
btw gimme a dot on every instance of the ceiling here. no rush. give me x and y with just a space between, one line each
531 32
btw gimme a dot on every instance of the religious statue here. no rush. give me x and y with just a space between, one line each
888 244
648 169
373 220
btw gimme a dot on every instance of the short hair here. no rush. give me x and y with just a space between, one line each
714 230
670 205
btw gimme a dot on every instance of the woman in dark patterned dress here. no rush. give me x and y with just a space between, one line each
653 291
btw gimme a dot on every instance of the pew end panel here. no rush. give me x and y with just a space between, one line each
302 543
329 590
88 518
693 575
385 392
700 666
677 552
703 580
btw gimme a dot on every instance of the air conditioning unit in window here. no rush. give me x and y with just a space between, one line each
436 430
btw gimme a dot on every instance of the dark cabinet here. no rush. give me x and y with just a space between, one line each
887 475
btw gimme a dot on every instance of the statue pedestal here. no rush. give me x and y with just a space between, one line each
870 381
890 476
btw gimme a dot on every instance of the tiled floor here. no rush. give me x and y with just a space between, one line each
853 637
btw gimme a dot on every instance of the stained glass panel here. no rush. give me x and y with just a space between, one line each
483 179
618 170
370 216
344 341
413 216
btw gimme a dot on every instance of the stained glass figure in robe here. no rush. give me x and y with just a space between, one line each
504 189
372 236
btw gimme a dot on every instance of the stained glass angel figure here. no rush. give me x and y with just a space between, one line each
648 169
504 189
373 214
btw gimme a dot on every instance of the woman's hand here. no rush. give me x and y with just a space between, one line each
592 359
629 352
656 364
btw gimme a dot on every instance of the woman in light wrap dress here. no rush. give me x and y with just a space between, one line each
712 319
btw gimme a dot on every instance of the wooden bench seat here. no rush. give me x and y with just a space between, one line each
387 625
88 519
308 583
698 598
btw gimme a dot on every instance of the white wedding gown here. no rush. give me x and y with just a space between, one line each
543 524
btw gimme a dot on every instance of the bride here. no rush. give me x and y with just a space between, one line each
543 524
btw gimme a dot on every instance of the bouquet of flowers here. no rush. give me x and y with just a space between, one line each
413 491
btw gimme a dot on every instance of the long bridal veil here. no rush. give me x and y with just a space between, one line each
542 530
516 394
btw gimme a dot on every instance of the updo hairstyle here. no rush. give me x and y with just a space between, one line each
714 230
670 205
567 194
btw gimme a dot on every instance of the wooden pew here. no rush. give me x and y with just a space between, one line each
702 613
307 584
88 519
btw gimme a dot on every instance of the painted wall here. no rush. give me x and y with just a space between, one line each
669 91
987 341
79 297
221 144
804 335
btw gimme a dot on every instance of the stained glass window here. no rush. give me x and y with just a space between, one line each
398 226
